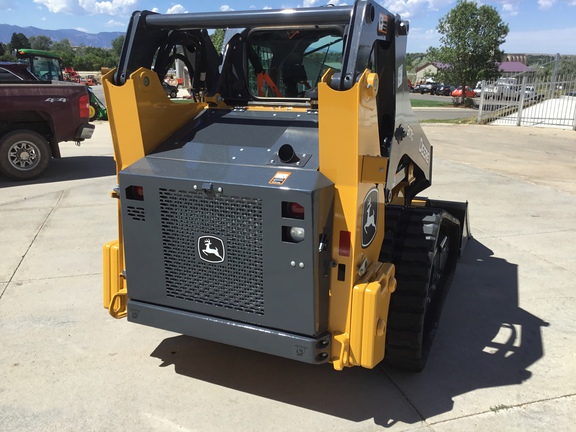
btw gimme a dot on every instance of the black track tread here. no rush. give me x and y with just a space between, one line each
410 243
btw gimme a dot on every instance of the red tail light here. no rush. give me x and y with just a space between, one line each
292 210
83 106
344 245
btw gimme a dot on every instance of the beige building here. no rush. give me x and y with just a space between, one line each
427 71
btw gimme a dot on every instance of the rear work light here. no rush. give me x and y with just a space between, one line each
84 106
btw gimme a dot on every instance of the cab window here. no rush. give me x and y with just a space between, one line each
288 63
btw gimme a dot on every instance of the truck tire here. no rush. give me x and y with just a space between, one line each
423 246
24 154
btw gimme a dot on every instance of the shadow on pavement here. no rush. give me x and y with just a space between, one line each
70 168
484 340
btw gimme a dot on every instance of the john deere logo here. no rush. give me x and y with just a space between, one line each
369 217
211 249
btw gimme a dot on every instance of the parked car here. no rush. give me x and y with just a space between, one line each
478 88
444 90
170 90
529 92
91 80
427 87
458 92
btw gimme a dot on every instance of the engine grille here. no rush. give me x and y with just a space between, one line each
136 213
237 283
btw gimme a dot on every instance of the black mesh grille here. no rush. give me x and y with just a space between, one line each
237 283
136 213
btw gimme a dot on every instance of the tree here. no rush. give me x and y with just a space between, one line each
217 39
64 49
117 45
470 44
43 43
19 40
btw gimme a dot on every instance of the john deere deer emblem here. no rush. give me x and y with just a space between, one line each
211 249
369 217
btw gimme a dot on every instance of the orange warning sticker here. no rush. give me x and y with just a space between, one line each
383 24
279 178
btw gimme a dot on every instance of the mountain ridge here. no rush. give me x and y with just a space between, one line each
76 37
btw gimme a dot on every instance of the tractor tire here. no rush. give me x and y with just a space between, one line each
423 245
92 112
24 154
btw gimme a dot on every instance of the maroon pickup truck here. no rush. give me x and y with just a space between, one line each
34 117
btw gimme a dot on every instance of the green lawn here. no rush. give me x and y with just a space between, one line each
418 103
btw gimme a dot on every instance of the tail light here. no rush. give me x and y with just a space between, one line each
84 106
135 193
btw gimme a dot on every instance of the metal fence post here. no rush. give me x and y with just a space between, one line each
521 101
481 107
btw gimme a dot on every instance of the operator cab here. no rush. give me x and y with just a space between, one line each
289 63
257 65
265 65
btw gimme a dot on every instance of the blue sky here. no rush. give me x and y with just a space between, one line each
536 26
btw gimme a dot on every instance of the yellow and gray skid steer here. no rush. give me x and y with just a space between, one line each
276 208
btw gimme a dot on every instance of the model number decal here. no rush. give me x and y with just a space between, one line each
424 151
52 100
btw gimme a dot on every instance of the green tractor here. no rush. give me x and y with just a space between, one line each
47 66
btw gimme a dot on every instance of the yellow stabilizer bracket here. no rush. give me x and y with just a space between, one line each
114 286
364 343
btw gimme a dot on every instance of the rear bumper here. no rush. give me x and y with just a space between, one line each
269 341
84 132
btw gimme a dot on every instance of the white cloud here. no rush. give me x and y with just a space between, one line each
80 7
225 8
82 29
268 7
155 9
546 4
176 9
114 7
415 8
114 23
511 8
58 6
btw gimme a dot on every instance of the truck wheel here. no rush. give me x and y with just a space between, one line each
24 155
173 94
424 252
92 111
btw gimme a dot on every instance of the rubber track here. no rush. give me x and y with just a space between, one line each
410 243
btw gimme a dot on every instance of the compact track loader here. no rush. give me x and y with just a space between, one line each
277 209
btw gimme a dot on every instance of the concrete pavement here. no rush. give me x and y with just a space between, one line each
504 356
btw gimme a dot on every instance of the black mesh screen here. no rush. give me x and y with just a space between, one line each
236 283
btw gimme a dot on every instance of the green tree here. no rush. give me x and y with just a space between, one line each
64 49
19 40
43 43
117 45
217 39
470 44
